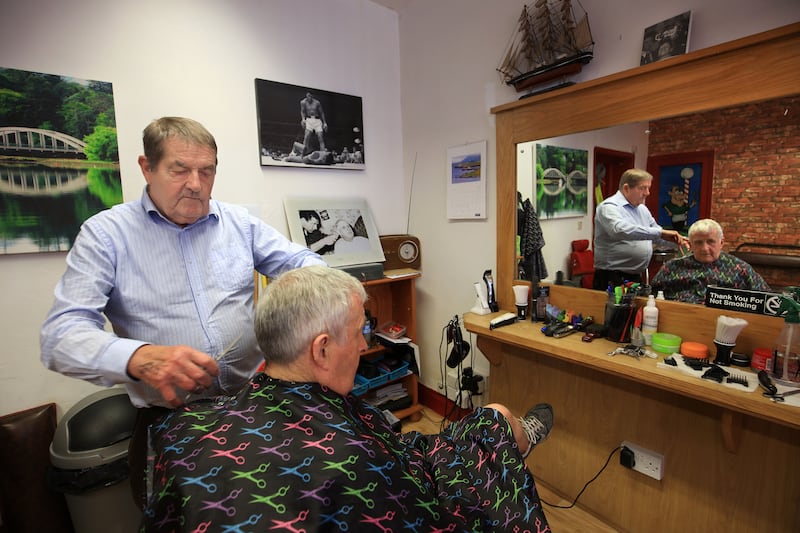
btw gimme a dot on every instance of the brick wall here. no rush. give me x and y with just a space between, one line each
756 190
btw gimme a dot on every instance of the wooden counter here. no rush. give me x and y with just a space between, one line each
732 458
594 355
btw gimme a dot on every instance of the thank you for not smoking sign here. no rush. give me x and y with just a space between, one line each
755 302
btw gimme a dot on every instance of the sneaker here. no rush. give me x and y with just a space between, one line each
537 423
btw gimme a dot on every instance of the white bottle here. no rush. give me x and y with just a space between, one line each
649 320
660 296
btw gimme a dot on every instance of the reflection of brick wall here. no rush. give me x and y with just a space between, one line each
756 190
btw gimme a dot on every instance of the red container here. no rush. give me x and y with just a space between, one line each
762 359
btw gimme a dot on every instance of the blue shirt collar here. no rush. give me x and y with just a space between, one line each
150 207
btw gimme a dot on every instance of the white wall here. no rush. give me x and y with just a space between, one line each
449 50
426 78
199 58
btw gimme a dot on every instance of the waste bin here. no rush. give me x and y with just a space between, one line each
89 463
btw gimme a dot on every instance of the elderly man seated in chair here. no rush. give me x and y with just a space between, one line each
685 279
294 450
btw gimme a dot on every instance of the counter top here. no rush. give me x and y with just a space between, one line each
643 370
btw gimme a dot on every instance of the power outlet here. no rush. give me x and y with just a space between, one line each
646 461
458 397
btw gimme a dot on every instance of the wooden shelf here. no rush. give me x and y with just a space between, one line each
395 299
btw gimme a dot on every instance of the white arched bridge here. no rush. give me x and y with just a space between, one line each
18 140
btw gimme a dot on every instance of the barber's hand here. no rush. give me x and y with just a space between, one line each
166 368
674 236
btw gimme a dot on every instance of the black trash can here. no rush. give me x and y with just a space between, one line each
89 463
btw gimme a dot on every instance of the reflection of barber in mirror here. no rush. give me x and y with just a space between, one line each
678 207
624 232
685 279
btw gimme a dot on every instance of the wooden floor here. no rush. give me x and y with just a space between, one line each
572 520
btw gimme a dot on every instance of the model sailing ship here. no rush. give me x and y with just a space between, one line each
548 44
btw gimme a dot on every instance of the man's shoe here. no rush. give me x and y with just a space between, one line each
537 423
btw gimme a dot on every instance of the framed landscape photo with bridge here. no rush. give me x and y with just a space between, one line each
305 127
562 181
59 163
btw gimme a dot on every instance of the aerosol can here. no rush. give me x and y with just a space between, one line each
787 348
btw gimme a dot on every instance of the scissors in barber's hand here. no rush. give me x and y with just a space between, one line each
229 348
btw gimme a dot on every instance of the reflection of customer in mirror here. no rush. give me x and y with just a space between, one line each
316 239
685 279
349 242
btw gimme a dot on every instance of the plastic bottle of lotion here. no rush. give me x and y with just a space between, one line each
649 320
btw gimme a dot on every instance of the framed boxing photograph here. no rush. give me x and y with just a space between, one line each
306 127
341 230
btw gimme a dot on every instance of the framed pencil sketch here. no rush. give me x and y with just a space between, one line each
340 229
305 127
466 181
667 38
681 190
562 181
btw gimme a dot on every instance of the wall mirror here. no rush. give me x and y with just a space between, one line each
740 155
757 68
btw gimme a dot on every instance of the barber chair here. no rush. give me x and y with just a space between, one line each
581 264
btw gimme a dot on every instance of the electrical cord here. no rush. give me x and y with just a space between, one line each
455 404
443 346
570 506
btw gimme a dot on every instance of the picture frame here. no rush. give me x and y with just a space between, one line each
666 39
562 181
680 193
306 127
56 170
330 238
466 181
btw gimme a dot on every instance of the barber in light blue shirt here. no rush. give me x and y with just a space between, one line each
173 273
624 231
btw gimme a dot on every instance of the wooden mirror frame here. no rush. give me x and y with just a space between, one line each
751 69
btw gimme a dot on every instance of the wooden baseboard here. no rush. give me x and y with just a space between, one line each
440 404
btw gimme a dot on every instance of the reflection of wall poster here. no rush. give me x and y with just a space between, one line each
305 127
667 38
681 190
466 181
59 163
340 229
561 181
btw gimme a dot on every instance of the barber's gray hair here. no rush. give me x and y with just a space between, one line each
301 304
706 225
161 129
633 177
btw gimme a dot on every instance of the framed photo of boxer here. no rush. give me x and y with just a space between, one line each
342 230
306 127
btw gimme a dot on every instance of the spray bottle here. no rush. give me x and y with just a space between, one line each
649 320
787 349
